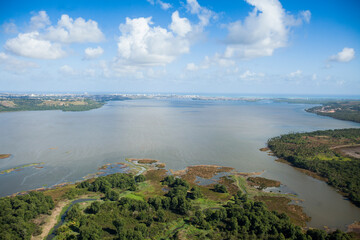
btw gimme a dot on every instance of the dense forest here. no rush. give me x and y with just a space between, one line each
317 152
348 110
17 213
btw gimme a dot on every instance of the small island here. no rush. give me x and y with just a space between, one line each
19 168
3 156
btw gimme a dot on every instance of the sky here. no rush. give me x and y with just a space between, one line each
186 46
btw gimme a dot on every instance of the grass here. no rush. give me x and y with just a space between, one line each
133 195
324 157
204 203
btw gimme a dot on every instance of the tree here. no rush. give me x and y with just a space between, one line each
220 188
112 195
140 178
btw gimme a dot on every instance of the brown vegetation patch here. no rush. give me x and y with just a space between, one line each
265 149
244 174
307 172
262 182
229 184
143 160
58 193
154 178
161 165
204 171
355 227
3 156
281 205
155 175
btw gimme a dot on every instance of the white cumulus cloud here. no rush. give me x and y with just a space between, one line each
78 30
91 53
202 13
31 45
142 44
265 29
39 21
164 5
180 26
346 55
44 41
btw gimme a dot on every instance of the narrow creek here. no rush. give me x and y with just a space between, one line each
63 216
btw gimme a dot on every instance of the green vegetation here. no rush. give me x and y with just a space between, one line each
29 104
17 212
318 152
182 211
175 214
345 110
220 188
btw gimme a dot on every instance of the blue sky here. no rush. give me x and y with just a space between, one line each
188 46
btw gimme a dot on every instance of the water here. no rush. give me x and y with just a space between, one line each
176 132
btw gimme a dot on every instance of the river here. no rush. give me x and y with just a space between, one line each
177 132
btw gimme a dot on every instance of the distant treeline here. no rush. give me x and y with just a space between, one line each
23 104
349 111
312 151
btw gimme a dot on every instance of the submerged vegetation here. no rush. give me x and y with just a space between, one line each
320 152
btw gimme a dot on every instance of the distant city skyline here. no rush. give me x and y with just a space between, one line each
188 46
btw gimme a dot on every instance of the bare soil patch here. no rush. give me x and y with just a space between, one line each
351 151
50 221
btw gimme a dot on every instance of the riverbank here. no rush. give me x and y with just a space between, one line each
320 154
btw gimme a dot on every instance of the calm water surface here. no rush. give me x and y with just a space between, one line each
177 132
